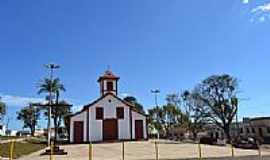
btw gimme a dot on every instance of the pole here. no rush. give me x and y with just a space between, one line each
260 152
11 150
156 100
232 151
156 150
50 108
52 149
90 151
156 92
123 150
51 67
200 151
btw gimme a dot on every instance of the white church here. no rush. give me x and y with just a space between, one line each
109 118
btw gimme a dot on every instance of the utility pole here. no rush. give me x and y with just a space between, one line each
51 67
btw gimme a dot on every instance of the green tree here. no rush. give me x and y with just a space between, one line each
133 100
54 86
174 99
217 94
157 119
59 110
59 113
173 117
30 116
196 112
2 109
167 117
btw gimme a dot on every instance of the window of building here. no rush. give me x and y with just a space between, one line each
241 130
268 129
261 132
1 127
99 113
253 130
110 86
120 112
247 130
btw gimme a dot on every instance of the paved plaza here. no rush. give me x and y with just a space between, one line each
168 150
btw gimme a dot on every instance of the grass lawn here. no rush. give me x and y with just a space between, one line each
8 137
21 148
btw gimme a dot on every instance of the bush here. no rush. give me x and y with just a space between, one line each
208 140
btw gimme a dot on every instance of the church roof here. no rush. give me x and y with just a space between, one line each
132 107
108 75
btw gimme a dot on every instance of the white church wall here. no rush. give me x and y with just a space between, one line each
79 117
124 125
96 127
138 116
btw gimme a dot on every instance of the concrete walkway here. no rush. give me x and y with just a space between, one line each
145 151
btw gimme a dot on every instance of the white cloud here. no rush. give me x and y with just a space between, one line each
123 95
12 100
261 13
245 1
76 108
262 8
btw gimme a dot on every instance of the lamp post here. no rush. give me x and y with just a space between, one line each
155 92
51 67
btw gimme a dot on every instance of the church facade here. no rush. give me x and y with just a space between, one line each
109 118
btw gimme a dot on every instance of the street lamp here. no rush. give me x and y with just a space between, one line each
51 67
155 92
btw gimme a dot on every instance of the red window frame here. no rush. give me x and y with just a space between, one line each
99 113
120 112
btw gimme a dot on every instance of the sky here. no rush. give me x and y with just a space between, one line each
167 44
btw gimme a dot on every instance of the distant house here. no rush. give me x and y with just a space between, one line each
258 127
108 118
2 129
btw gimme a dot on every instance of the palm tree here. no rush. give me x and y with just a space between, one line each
59 112
2 109
55 87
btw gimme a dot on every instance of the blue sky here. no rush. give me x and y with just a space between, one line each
166 44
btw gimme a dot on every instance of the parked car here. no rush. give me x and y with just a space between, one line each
246 143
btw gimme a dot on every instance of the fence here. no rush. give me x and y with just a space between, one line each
152 150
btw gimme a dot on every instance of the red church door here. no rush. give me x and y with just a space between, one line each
138 129
110 129
78 132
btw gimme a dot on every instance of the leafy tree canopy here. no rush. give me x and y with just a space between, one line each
2 109
30 116
134 101
48 85
218 99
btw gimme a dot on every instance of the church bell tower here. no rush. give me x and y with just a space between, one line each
108 83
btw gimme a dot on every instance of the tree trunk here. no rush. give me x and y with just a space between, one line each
195 135
55 117
55 129
227 133
32 130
